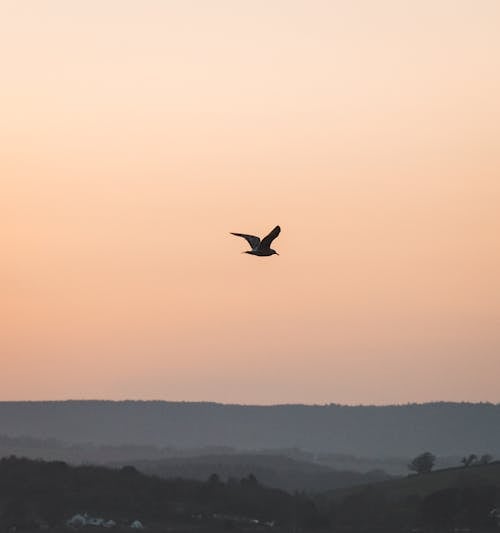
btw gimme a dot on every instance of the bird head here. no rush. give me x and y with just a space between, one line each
274 252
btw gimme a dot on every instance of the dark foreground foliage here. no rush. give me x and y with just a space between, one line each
39 493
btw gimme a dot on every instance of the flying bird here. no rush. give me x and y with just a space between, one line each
260 247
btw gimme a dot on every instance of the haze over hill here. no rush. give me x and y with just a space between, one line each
369 431
276 471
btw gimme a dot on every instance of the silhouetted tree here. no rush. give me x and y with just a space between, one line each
214 480
469 460
423 463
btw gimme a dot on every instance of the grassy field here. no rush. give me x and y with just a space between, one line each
425 484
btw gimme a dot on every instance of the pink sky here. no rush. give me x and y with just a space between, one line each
135 135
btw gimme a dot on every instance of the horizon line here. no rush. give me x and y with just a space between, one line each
234 404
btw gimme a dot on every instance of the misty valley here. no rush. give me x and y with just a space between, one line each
165 466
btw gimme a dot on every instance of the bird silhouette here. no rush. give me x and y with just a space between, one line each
260 247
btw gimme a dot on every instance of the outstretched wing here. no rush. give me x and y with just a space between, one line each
268 239
252 240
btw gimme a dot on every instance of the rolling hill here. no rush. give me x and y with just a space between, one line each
451 429
272 470
452 499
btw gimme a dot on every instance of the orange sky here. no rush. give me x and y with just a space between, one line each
135 135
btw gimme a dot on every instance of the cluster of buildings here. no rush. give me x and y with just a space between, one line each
83 520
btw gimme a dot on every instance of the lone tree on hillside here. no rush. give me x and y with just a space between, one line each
470 460
423 463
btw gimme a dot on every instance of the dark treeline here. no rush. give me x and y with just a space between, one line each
368 431
36 494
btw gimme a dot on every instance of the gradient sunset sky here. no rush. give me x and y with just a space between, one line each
135 135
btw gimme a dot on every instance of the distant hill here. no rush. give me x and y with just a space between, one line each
286 469
367 431
272 470
76 453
